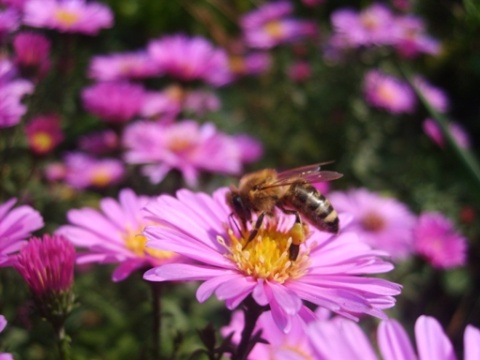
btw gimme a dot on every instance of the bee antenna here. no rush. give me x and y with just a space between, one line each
231 219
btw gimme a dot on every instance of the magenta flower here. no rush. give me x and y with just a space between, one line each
190 59
328 271
255 63
121 66
438 242
186 146
113 101
434 132
84 171
165 104
389 93
383 223
3 324
16 225
100 142
114 235
32 53
411 39
44 133
73 16
9 21
435 97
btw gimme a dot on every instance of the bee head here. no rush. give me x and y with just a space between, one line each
238 206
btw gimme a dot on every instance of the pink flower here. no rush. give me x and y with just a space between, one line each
32 53
100 142
383 223
438 242
411 39
121 66
113 101
114 235
84 171
435 97
328 271
15 226
74 16
199 102
185 145
9 21
250 149
344 339
3 324
434 132
46 264
255 63
55 171
190 59
166 104
44 133
388 93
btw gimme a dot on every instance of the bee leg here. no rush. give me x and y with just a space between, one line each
297 232
231 219
256 228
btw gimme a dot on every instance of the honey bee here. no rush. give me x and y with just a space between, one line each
292 192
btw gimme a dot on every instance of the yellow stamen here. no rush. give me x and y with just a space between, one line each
66 17
274 29
136 242
373 221
100 177
267 255
42 142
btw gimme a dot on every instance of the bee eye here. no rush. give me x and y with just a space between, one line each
240 208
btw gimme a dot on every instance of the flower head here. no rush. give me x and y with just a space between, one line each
434 132
327 271
44 133
114 101
411 39
9 21
114 235
190 59
435 97
437 240
32 53
16 225
121 66
383 223
388 93
73 16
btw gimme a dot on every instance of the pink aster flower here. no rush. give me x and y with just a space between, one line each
84 171
121 66
16 225
100 142
389 93
411 38
200 102
435 97
44 133
3 324
190 58
9 21
113 101
32 53
165 104
114 235
438 242
383 223
254 63
328 271
185 145
434 132
371 26
73 16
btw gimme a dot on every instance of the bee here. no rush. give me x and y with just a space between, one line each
292 192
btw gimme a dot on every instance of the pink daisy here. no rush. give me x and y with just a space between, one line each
383 223
9 21
432 129
16 225
186 146
84 171
328 271
254 63
113 101
438 242
32 53
121 66
165 104
44 133
435 97
411 39
114 235
388 93
74 16
190 58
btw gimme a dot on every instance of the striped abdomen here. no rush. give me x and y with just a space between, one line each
314 207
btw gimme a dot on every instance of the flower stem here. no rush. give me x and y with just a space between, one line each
63 342
252 312
156 288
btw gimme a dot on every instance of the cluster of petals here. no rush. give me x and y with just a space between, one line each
9 21
82 171
12 89
271 25
185 145
388 93
190 58
383 223
73 16
435 97
46 264
377 25
437 240
192 224
32 52
344 339
121 66
117 101
112 234
43 133
16 225
252 63
3 324
458 133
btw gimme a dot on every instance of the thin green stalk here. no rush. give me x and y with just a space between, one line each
63 342
156 288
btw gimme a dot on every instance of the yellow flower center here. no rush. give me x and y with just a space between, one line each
369 21
237 64
136 243
175 92
267 255
373 222
66 17
386 93
42 142
275 29
100 177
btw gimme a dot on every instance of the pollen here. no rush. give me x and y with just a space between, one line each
274 29
136 242
42 142
267 255
66 17
373 221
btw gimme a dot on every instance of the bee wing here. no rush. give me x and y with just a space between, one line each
301 171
